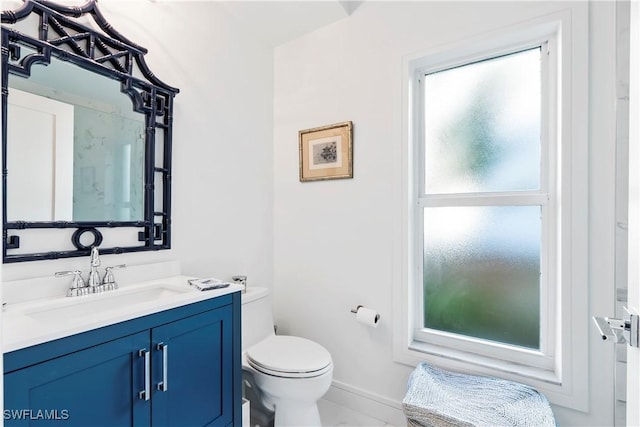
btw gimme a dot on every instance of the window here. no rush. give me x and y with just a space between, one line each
485 205
493 267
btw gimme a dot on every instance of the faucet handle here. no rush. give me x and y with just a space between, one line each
78 287
108 281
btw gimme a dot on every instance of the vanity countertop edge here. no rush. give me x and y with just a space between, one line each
20 329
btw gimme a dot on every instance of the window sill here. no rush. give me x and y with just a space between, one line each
547 382
418 350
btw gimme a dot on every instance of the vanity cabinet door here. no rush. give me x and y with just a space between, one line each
193 371
98 386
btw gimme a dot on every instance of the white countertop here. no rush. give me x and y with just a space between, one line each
34 322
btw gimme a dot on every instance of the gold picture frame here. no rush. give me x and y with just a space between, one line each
326 152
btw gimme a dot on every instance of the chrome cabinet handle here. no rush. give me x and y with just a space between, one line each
164 348
146 393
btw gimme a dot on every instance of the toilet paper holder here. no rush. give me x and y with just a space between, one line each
355 311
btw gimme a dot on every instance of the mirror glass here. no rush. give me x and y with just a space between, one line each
75 147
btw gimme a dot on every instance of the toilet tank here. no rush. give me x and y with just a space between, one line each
257 316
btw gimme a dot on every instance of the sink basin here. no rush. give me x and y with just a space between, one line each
103 302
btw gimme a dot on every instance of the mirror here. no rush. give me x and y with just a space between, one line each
94 170
87 141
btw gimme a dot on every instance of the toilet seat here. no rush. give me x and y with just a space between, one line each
289 357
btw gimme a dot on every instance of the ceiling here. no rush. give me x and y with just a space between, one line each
277 22
274 22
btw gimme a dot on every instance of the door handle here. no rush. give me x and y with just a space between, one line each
164 348
146 393
629 325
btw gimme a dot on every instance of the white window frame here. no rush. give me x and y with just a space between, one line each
559 369
429 340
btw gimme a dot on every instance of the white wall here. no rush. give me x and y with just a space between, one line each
222 167
336 241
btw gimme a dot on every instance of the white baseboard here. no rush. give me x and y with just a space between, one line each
360 400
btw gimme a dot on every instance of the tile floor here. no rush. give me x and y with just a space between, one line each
334 415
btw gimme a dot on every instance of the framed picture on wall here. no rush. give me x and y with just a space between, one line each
326 152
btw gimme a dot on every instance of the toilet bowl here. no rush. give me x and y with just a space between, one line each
291 373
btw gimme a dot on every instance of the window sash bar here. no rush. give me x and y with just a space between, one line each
484 199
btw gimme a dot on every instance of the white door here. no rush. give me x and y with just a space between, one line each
633 354
39 130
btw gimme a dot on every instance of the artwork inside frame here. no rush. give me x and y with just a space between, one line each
326 152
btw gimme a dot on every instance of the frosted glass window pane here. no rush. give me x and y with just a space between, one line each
482 126
482 272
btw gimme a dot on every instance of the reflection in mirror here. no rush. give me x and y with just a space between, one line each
75 145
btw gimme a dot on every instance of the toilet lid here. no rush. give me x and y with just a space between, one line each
288 356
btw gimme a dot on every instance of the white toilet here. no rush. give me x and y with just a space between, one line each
291 373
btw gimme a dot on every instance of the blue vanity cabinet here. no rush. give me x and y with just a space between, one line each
179 367
193 372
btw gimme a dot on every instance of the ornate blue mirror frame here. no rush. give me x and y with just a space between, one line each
103 51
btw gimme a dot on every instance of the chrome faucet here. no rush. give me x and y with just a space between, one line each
93 284
94 277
